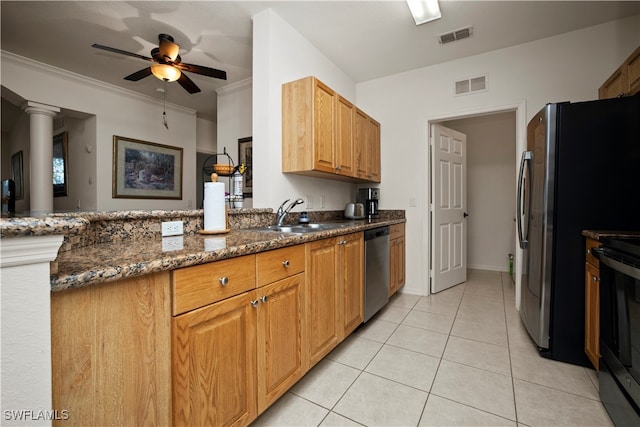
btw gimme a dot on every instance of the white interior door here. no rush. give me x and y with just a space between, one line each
449 202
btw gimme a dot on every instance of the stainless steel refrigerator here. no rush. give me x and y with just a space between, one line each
581 170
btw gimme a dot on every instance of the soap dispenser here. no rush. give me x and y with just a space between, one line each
304 219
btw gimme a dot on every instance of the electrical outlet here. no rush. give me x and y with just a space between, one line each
173 243
412 202
322 200
172 228
308 202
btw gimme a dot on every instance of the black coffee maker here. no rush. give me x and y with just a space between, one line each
369 197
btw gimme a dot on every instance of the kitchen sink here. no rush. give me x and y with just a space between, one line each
303 228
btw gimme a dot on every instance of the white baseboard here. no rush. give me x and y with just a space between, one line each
501 269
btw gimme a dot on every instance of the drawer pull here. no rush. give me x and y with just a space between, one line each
224 280
254 303
588 251
286 263
264 299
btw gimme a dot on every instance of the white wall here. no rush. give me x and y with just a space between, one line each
81 166
280 55
118 112
568 67
491 181
234 120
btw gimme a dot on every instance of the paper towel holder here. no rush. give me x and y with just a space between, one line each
214 178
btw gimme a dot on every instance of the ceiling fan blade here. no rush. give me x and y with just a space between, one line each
199 69
188 84
139 75
122 52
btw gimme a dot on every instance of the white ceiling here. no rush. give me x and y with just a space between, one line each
366 39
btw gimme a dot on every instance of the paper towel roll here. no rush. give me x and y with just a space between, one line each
214 209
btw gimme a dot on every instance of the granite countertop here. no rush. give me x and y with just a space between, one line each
106 262
104 247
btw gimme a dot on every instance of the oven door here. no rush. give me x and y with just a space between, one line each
620 335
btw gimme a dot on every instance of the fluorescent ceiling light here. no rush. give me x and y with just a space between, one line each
424 11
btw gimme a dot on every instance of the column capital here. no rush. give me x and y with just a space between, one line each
31 107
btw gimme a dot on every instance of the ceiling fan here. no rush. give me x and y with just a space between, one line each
167 64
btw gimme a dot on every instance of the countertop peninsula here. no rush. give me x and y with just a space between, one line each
102 247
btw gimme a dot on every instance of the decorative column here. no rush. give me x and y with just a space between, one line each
41 156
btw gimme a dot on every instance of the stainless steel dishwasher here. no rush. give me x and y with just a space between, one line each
376 270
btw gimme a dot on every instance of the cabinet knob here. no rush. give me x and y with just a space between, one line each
285 263
588 251
254 303
595 279
264 299
342 242
224 280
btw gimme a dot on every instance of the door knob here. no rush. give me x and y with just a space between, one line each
465 214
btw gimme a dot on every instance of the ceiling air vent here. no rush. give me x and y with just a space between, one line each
462 33
474 84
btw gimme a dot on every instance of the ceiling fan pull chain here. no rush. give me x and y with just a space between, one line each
164 108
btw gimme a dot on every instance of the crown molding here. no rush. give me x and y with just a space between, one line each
235 87
84 80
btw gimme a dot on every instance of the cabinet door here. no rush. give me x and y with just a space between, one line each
324 127
360 143
323 299
214 364
394 265
615 86
351 265
632 65
344 147
373 151
592 314
281 333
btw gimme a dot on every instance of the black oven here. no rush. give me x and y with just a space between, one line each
619 376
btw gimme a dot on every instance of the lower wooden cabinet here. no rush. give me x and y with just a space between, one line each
134 352
214 364
592 305
110 353
335 283
322 298
351 268
281 334
396 258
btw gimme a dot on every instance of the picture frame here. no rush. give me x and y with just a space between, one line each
245 155
16 174
60 165
146 170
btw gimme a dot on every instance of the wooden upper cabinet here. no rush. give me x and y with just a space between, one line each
625 80
345 156
319 134
367 147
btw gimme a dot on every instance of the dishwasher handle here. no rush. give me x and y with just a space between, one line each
376 232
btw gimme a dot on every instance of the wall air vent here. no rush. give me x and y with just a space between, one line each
462 33
471 85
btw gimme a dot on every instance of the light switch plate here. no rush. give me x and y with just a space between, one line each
172 228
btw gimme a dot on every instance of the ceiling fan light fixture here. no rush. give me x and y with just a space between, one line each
165 72
424 11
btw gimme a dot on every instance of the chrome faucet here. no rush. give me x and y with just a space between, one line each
282 212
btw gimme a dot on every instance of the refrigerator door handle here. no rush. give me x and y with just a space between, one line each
524 162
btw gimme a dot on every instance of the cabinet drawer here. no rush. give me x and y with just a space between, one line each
197 286
591 243
396 230
274 265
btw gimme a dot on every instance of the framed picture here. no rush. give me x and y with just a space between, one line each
245 155
145 170
16 174
60 165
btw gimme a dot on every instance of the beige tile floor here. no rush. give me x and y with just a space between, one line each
457 358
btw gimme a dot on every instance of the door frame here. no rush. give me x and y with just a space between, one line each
521 144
